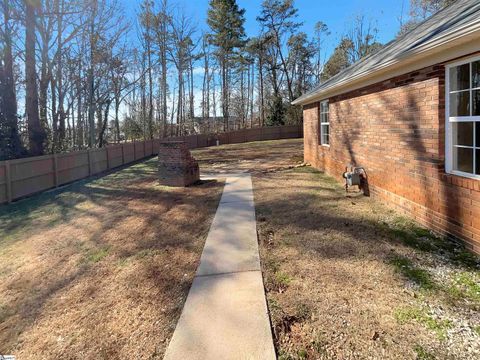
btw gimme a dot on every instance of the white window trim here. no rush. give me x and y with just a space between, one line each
449 120
324 123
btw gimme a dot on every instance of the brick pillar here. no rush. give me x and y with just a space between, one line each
176 166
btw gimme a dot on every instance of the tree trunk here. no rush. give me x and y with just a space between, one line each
192 105
262 104
73 135
224 94
163 54
91 80
36 134
204 87
150 88
252 95
214 100
59 82
179 104
172 113
143 90
54 115
207 95
101 135
117 121
285 69
205 80
44 82
80 122
11 145
242 99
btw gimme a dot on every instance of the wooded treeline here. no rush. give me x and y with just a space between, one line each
77 74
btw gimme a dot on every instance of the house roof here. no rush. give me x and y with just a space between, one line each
448 31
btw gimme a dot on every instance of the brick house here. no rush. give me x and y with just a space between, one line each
410 115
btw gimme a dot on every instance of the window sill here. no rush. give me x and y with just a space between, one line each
465 175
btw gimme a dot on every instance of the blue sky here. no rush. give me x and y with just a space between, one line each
338 15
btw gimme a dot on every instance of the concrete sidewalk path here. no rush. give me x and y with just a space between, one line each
225 315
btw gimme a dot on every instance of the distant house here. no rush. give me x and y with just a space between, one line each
410 115
214 124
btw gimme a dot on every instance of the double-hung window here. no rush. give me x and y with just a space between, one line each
324 123
463 118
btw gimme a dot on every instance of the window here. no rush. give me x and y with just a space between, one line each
463 118
324 124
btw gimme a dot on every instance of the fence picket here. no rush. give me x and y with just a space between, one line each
90 168
55 170
8 179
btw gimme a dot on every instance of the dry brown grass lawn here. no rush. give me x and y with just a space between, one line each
346 278
101 269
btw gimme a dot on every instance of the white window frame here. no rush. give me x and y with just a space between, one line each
449 120
327 123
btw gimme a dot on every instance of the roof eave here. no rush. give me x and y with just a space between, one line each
444 44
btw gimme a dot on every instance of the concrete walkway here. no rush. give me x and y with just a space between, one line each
225 315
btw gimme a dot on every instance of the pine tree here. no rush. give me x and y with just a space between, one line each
276 115
338 61
226 21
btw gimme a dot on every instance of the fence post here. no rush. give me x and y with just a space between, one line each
123 154
55 170
8 179
108 161
144 148
89 162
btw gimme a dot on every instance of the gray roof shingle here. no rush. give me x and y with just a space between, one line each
462 14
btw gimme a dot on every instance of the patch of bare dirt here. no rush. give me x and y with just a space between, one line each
101 269
253 157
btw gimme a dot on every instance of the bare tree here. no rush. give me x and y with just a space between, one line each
162 21
278 21
36 133
256 48
321 32
362 39
90 75
206 78
182 31
147 21
10 144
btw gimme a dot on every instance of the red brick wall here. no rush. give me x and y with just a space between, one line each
395 129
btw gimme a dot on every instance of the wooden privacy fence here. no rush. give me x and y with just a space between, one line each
23 177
